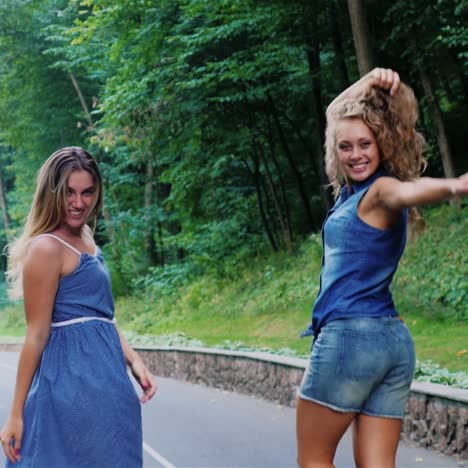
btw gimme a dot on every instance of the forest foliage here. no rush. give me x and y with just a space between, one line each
207 117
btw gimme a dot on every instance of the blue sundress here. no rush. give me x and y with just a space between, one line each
82 409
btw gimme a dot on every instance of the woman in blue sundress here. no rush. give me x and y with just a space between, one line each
74 403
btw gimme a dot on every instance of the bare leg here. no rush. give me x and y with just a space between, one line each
319 429
375 441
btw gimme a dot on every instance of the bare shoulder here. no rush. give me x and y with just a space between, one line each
385 183
383 190
45 245
374 208
41 276
45 251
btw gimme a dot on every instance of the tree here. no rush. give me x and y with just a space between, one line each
418 28
361 36
3 195
207 118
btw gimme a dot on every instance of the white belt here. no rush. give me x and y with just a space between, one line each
81 320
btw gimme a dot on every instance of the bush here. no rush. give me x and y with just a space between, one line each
433 271
4 300
428 371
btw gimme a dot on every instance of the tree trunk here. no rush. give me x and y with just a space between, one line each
459 65
150 245
256 178
436 114
265 212
82 100
282 217
338 45
292 163
110 229
4 208
284 197
162 256
275 228
361 37
313 59
312 155
281 212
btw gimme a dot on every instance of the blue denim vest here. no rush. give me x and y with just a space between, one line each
358 262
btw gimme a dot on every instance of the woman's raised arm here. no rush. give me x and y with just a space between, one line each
384 78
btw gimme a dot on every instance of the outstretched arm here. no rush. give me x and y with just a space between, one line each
141 373
396 195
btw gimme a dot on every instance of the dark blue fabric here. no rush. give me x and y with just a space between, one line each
82 409
358 262
86 292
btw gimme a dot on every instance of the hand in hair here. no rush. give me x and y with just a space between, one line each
383 78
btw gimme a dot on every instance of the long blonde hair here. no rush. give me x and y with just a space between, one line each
392 119
48 207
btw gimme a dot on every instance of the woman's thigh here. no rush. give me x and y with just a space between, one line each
319 429
375 441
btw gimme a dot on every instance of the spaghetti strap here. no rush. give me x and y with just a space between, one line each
61 240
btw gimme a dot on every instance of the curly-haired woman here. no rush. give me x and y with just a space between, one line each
362 360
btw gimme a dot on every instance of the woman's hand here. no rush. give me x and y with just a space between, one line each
142 375
460 187
384 78
145 378
12 432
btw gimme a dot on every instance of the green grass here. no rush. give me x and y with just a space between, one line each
442 341
12 322
267 302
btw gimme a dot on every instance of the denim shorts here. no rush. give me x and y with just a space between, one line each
362 365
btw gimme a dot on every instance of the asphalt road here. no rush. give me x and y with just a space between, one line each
189 426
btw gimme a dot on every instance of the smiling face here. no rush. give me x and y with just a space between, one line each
357 149
80 200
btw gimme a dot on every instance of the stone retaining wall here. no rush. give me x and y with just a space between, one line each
436 415
437 420
250 373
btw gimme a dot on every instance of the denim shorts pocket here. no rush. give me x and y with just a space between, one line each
363 354
325 352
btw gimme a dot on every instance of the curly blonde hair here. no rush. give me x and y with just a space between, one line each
392 120
49 206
